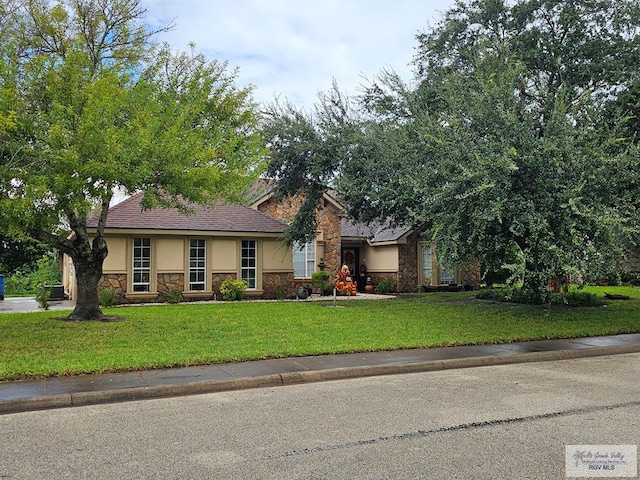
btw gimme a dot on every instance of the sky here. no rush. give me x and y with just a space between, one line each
293 49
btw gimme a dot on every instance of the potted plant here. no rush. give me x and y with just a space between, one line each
320 281
303 293
368 287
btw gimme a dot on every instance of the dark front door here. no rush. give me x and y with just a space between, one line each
351 258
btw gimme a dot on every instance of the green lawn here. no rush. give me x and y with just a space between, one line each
40 344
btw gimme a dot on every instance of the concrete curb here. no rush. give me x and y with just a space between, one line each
295 378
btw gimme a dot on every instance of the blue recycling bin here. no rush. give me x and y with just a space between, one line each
1 287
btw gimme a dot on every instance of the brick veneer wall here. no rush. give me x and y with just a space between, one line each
116 281
168 282
329 221
408 265
471 274
278 285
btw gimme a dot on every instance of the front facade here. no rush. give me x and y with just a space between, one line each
157 254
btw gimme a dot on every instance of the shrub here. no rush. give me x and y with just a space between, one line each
27 282
513 295
578 299
173 296
42 296
321 281
232 289
386 285
496 294
106 296
520 295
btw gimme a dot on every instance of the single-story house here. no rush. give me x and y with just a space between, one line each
156 251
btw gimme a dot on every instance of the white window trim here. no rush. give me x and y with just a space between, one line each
202 269
255 258
424 246
149 270
309 263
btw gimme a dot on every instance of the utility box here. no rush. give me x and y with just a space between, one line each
57 292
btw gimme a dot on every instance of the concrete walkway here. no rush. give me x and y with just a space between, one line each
117 387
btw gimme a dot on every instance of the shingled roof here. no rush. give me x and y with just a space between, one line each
223 218
374 232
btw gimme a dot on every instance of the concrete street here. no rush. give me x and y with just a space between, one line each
498 422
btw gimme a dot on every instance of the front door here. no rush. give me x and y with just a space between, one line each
351 258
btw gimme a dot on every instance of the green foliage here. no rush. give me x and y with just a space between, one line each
305 152
20 254
106 296
321 280
577 298
232 289
43 292
26 282
101 107
173 296
45 276
385 285
574 298
505 147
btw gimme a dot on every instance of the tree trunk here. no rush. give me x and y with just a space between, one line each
535 282
87 303
88 269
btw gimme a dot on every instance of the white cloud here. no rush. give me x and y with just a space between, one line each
294 48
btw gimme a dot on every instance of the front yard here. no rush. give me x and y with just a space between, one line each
41 344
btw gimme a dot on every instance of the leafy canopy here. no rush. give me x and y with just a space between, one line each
515 145
89 104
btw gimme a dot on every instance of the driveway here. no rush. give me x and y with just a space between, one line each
29 304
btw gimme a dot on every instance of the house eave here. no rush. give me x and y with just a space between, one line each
179 232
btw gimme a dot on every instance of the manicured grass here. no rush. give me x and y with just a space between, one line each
41 344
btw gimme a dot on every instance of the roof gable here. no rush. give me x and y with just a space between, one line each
264 190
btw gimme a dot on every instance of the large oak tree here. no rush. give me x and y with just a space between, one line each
516 144
89 104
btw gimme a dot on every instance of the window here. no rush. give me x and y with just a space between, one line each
446 276
197 264
304 259
249 263
427 265
141 265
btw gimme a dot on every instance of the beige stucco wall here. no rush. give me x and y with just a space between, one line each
224 254
381 258
276 257
169 260
170 253
116 260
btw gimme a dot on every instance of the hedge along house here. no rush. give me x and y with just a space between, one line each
155 251
369 250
